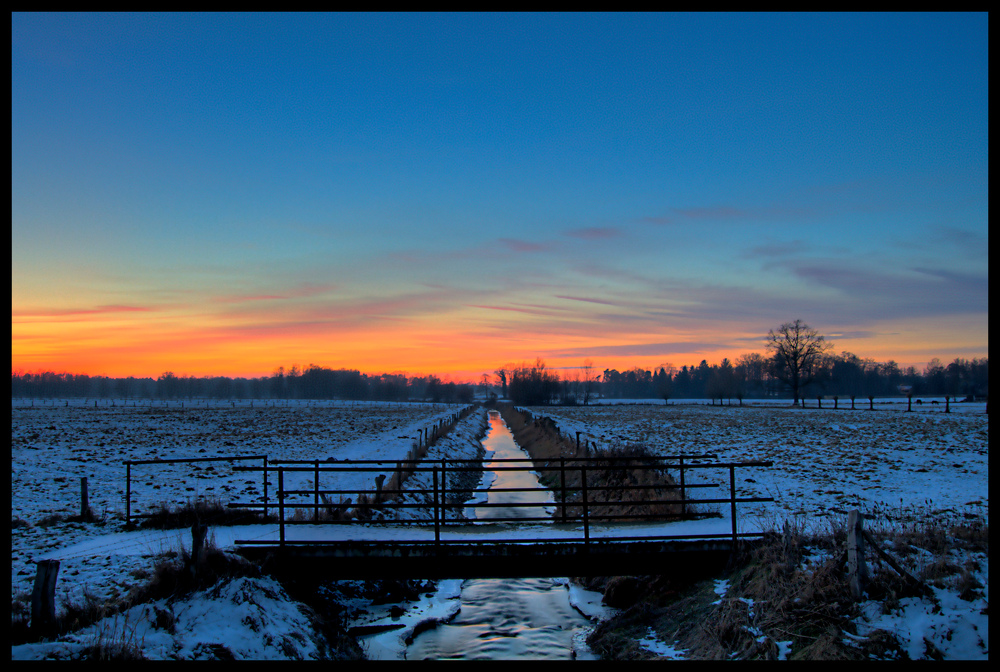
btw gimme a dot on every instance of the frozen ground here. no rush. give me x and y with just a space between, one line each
888 462
897 466
924 464
53 445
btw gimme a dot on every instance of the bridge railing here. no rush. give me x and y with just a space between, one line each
574 499
189 460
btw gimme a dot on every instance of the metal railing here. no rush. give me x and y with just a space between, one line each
574 494
233 458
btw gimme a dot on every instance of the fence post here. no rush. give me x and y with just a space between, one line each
562 475
265 486
128 493
732 500
683 496
198 532
786 542
43 597
586 521
444 490
316 492
281 504
84 499
857 570
437 528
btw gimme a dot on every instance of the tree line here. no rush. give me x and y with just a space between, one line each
312 382
845 375
798 362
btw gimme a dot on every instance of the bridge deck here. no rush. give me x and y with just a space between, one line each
495 550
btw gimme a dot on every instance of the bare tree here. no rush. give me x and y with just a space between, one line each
503 377
663 381
797 351
751 371
589 380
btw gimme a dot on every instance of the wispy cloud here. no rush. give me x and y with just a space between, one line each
543 311
638 350
713 212
776 249
77 312
516 245
302 291
595 232
588 300
888 293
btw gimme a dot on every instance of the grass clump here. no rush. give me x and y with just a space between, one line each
787 595
202 511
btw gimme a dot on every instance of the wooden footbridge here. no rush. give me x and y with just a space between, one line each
584 530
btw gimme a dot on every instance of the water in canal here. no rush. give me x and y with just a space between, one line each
510 618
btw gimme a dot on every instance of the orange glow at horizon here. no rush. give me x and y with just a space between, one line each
459 345
454 359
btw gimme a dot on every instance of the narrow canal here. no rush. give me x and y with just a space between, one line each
509 619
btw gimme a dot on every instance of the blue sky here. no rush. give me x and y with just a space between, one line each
229 193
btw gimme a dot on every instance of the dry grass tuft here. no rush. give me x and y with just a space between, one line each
625 480
775 595
202 511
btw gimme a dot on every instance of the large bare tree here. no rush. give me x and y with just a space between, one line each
797 350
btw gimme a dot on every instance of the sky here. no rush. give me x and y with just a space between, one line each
223 194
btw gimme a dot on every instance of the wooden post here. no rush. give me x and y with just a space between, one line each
128 493
316 493
786 541
198 532
378 487
578 443
43 597
265 485
857 570
84 499
586 520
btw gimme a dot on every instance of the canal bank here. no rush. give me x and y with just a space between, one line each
505 619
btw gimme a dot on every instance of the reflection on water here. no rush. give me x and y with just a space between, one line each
505 619
500 441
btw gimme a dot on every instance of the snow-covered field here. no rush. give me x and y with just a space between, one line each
921 464
53 445
924 464
896 466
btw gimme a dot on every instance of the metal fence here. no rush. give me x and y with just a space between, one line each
571 491
236 458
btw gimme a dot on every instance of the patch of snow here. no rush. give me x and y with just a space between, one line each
251 618
959 629
657 647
